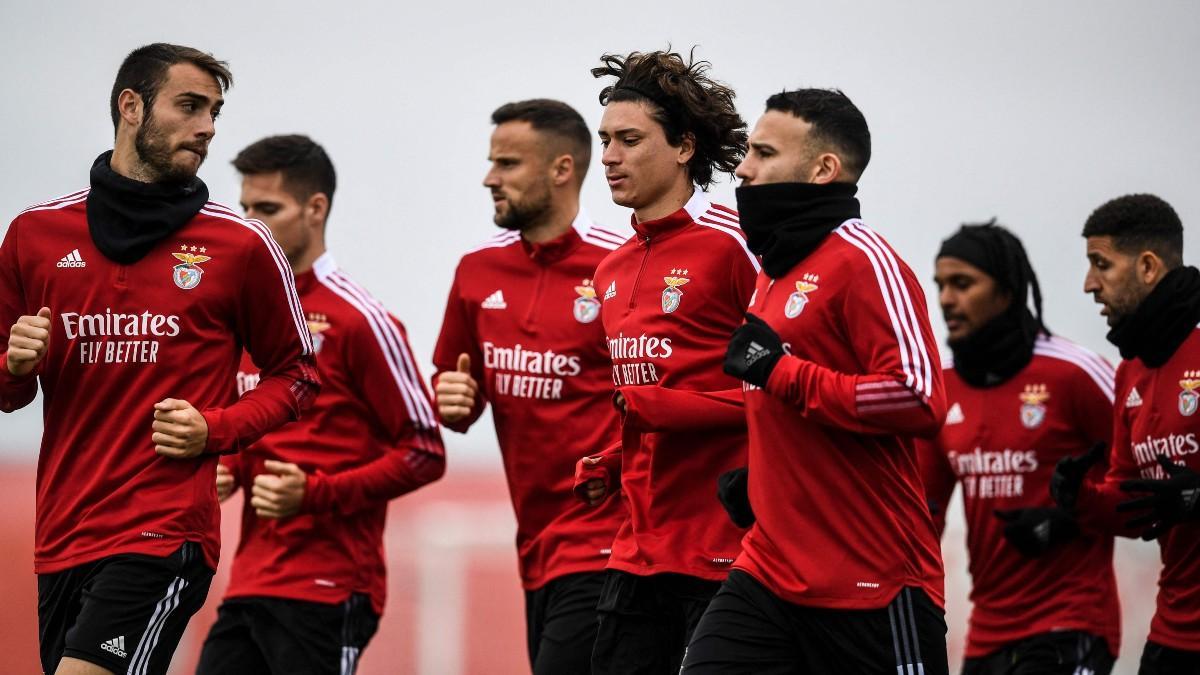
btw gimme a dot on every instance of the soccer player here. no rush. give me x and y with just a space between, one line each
308 582
1152 303
521 332
841 572
671 296
1043 592
131 303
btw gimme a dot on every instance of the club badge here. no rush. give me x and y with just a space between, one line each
317 324
1033 405
188 272
798 300
586 307
671 295
1189 400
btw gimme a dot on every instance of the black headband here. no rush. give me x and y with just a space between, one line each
976 247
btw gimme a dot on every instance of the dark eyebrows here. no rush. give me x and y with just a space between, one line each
200 98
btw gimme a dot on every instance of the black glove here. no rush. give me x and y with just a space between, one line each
1033 532
732 491
753 351
1172 500
1068 475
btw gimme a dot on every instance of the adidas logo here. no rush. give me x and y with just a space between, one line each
72 259
1134 399
955 416
612 291
755 352
115 646
495 301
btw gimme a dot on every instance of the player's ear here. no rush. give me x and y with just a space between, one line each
827 168
317 206
562 169
129 107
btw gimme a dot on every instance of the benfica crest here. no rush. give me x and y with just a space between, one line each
317 324
586 307
1033 405
798 300
188 272
1189 400
671 295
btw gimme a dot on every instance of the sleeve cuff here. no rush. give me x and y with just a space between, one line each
780 382
316 494
221 439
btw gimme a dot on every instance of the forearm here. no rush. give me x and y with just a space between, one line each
279 398
15 392
398 471
653 409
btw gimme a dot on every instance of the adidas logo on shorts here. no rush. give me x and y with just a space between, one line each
115 646
72 259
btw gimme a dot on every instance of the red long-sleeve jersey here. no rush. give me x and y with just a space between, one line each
841 515
1002 443
1156 413
527 315
124 337
672 297
370 436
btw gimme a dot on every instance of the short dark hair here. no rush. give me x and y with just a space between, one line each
556 119
1139 222
306 168
683 100
835 120
145 70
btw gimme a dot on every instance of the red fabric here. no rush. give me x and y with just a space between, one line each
1002 444
667 340
101 489
841 516
527 315
371 436
1156 413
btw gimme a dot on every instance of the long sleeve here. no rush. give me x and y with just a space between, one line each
939 480
1096 507
15 392
650 408
458 337
900 390
270 323
386 377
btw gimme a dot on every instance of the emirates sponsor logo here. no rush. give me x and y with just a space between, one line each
525 373
119 325
1174 446
993 474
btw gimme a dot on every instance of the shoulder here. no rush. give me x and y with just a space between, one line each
244 231
492 246
859 245
74 202
722 230
356 309
597 236
1075 361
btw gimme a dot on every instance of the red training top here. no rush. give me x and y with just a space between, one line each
1002 444
124 337
842 521
527 315
672 297
370 436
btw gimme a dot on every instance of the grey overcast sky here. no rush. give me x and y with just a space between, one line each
1035 112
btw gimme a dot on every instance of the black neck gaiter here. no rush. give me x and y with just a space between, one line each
127 218
1162 321
997 350
784 222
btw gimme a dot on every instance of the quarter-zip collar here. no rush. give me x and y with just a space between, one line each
691 212
321 268
549 252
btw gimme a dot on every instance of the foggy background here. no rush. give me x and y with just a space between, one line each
1033 112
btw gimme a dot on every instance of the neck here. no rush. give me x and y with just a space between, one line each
669 202
555 222
125 162
304 261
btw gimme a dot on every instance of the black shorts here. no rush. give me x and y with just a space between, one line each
646 622
560 624
1057 653
125 612
747 630
1162 660
280 636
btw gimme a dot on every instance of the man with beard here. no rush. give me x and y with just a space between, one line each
1152 304
135 335
841 571
521 332
309 580
1044 599
672 295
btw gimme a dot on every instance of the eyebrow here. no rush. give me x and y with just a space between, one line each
618 132
200 98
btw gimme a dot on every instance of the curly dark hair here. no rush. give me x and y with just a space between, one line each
1139 222
684 101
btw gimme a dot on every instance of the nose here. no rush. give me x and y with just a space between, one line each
946 298
1091 284
490 179
208 127
611 155
743 171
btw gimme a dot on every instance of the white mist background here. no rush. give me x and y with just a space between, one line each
1032 112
